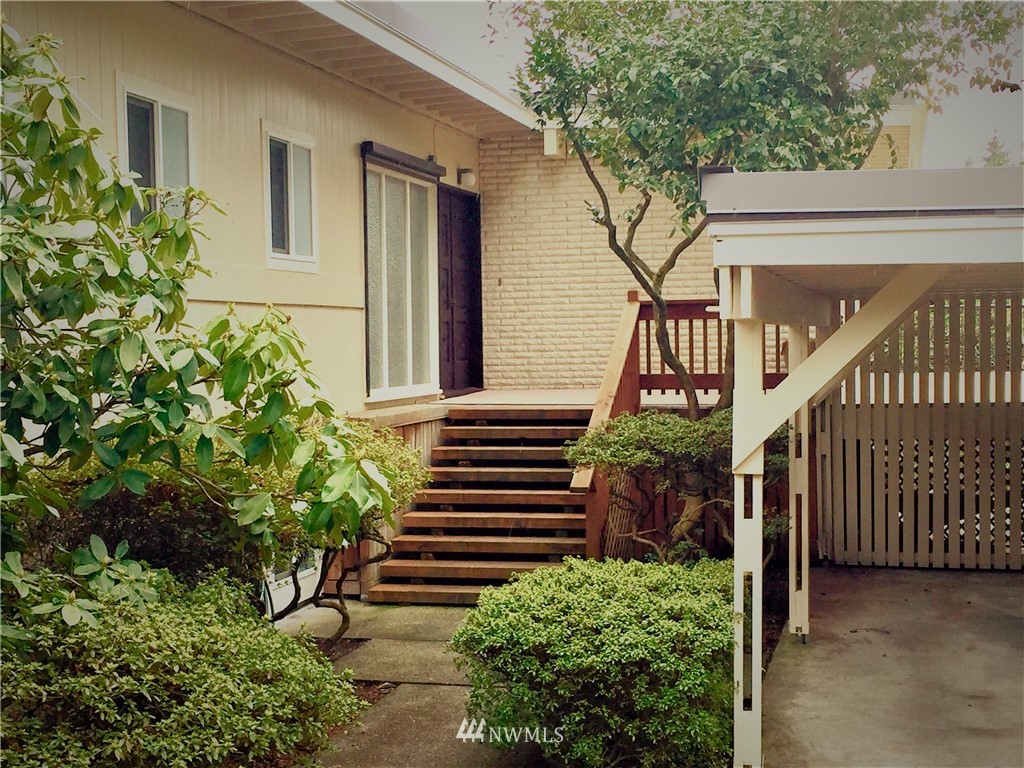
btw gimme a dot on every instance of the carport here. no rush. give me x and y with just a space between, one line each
901 292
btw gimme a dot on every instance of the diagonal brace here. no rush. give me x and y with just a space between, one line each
828 364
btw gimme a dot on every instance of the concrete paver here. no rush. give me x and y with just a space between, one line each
402 661
415 726
901 668
392 622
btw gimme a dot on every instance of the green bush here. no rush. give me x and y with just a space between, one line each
174 525
198 679
633 661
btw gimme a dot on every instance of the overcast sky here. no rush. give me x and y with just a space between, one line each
960 132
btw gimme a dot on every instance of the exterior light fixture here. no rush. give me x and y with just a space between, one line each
465 177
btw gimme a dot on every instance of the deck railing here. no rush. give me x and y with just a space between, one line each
699 339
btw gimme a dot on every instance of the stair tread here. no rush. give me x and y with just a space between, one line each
501 496
424 537
514 431
525 564
457 594
520 412
459 569
476 519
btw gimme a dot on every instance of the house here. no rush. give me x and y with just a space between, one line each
418 230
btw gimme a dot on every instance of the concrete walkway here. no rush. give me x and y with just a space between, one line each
902 668
415 725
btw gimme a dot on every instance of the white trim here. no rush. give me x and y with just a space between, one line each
160 95
433 386
940 240
369 25
291 261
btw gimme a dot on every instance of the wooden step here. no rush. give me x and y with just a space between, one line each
503 474
429 594
519 413
484 570
521 545
497 453
491 496
513 435
562 521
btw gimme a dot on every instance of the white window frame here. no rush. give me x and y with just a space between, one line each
161 96
433 387
291 261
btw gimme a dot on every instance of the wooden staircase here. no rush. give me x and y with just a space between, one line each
499 504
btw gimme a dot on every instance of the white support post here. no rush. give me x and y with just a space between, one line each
748 522
799 485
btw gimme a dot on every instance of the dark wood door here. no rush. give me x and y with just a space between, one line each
458 252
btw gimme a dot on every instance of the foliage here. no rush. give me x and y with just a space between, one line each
996 155
97 362
197 680
655 452
655 91
93 578
174 526
632 660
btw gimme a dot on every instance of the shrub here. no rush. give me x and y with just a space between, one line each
649 453
196 680
174 525
633 661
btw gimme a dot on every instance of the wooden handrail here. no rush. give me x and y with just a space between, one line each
583 477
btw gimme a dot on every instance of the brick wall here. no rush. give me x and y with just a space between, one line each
552 289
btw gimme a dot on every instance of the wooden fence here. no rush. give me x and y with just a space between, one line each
920 449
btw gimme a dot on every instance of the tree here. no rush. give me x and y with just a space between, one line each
655 91
101 374
996 155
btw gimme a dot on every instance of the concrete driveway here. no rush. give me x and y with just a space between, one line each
902 668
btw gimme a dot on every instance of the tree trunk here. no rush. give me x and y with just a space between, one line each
729 374
673 362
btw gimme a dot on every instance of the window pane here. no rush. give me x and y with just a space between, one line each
279 196
396 275
141 145
374 282
302 207
174 140
419 259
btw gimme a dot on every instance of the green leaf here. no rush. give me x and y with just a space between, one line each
338 483
103 366
14 448
133 438
303 452
12 279
129 352
137 264
181 358
70 614
98 548
46 608
135 481
235 379
37 139
106 454
175 415
204 454
98 489
231 442
122 549
253 508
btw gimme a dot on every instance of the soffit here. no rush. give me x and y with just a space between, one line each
861 281
311 32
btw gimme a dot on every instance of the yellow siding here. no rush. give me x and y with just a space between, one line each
233 84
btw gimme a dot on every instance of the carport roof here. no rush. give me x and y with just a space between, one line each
846 233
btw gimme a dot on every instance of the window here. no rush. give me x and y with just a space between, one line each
401 273
156 139
290 214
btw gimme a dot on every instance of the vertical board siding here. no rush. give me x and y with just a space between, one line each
922 445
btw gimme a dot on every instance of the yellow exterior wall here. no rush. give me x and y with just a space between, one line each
233 83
